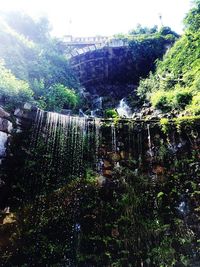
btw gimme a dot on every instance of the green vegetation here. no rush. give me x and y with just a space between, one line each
85 193
175 83
13 91
111 113
35 58
164 122
57 97
147 46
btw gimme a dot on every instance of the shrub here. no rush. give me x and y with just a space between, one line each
111 113
161 100
182 98
194 107
13 92
146 86
58 96
168 100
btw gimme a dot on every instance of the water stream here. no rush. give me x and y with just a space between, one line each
123 109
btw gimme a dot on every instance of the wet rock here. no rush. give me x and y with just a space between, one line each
159 170
107 173
107 164
101 180
123 154
19 112
26 114
5 126
9 218
114 156
27 106
3 113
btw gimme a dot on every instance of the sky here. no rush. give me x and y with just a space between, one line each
102 17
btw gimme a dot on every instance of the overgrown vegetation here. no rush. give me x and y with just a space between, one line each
35 58
12 90
175 85
147 45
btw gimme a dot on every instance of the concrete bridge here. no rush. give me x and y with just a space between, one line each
80 45
103 64
106 66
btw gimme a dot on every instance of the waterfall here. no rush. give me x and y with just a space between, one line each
149 141
3 140
123 109
97 106
114 141
65 145
117 176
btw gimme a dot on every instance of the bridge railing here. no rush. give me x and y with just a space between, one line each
93 47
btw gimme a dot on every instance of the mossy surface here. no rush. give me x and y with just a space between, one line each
144 211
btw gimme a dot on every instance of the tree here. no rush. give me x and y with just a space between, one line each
33 56
143 30
192 20
167 30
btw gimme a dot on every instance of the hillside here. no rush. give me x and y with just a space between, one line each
175 85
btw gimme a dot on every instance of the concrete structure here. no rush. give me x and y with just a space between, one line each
79 45
84 41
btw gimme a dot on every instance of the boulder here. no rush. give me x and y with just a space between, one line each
3 113
26 113
5 126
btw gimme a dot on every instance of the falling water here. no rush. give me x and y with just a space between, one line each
150 151
62 141
114 141
123 109
97 107
37 128
3 140
97 144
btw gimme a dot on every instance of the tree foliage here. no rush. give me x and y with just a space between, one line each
192 20
33 56
175 83
143 30
58 96
12 90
